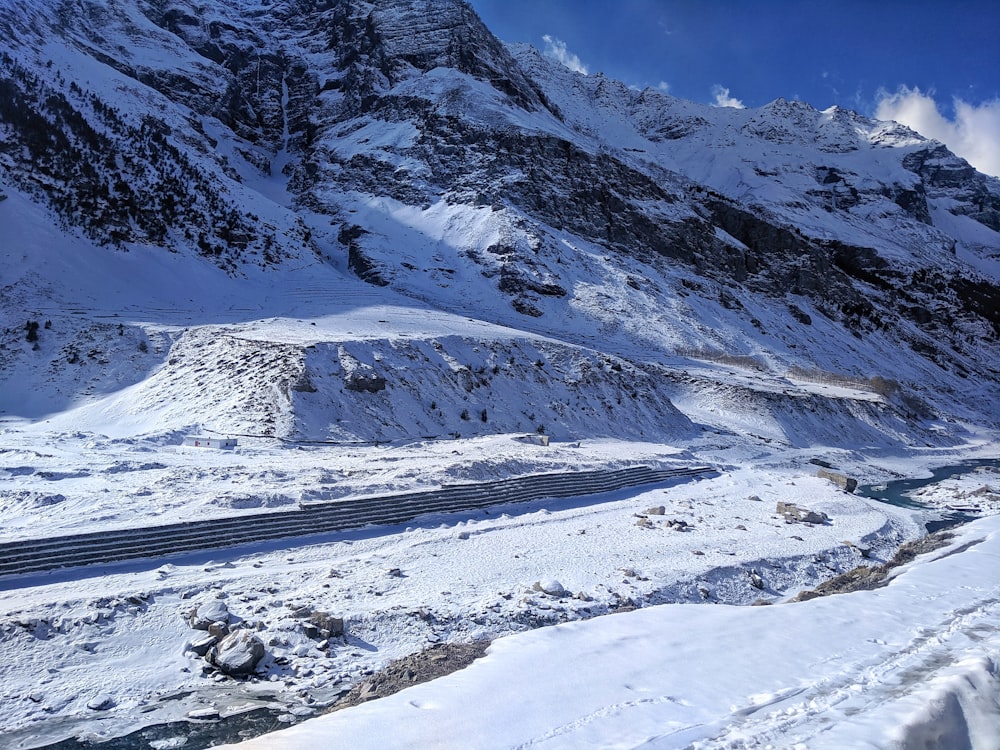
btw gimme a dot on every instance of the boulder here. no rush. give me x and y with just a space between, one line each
550 586
238 654
208 613
101 702
846 483
328 625
812 516
201 645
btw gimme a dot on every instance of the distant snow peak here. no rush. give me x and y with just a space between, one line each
973 133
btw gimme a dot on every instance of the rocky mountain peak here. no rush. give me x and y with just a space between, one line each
399 41
402 142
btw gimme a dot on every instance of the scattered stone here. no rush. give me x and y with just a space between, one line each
238 653
755 499
219 629
301 613
741 527
644 523
755 580
394 573
658 510
678 524
550 586
794 514
208 613
463 535
101 702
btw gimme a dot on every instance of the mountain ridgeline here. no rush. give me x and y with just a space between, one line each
400 141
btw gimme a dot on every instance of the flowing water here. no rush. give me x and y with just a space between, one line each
898 492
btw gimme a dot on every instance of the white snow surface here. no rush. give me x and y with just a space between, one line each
119 632
914 664
147 346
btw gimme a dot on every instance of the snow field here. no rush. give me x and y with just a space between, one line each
902 666
460 577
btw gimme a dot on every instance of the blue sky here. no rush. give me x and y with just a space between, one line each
936 63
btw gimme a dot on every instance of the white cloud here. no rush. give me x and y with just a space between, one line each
974 134
663 87
556 49
723 99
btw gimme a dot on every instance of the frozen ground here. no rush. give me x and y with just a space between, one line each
118 632
976 491
913 665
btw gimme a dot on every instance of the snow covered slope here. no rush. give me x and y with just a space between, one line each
176 165
378 246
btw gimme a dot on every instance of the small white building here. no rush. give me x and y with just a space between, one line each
196 441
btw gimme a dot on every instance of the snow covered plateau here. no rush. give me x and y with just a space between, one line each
379 248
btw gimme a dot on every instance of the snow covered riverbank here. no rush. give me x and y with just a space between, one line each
119 632
912 665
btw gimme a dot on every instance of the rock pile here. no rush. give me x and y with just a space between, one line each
794 514
234 652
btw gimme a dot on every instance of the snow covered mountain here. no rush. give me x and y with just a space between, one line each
195 168
323 226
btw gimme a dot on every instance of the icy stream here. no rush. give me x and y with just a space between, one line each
899 492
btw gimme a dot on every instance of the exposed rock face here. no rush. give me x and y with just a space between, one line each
238 653
437 661
846 483
369 382
865 578
794 514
